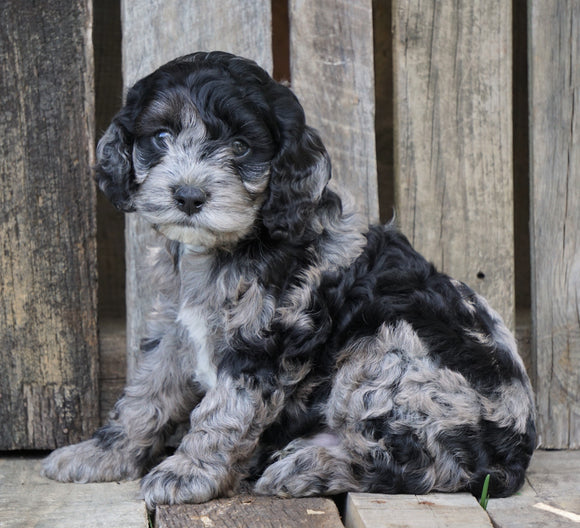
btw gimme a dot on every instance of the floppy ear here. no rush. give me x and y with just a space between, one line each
114 170
299 175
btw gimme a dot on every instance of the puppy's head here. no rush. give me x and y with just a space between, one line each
208 147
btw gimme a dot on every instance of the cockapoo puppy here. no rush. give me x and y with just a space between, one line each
312 355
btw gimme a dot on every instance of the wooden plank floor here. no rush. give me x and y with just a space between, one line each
549 499
29 500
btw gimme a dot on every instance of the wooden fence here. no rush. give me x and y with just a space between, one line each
461 116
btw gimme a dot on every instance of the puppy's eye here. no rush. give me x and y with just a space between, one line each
161 137
240 148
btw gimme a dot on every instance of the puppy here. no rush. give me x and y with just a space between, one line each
311 354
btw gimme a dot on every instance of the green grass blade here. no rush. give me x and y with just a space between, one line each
484 493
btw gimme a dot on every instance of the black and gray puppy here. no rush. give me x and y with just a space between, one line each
310 353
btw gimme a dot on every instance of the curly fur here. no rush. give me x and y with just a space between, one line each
311 355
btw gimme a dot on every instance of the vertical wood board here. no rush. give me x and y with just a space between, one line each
155 32
331 59
453 140
48 334
554 68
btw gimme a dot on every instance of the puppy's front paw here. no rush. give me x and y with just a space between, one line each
88 462
178 480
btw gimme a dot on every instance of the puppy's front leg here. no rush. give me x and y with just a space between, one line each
225 429
160 394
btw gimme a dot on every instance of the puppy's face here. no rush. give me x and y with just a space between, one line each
201 182
197 145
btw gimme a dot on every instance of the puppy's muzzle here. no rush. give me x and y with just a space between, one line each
189 199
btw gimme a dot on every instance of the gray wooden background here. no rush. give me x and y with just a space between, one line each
460 116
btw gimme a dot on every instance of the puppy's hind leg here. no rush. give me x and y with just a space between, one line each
126 447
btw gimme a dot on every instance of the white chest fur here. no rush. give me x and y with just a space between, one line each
194 320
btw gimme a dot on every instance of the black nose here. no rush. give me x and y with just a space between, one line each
189 199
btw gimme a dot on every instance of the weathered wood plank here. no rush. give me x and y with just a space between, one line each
453 140
555 473
331 58
553 479
528 512
27 499
436 510
48 334
154 33
554 69
246 510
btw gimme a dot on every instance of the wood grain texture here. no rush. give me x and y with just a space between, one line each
554 69
246 510
436 510
331 59
48 334
453 140
155 32
27 499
